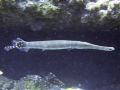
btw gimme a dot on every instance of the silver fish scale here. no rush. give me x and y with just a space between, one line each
55 44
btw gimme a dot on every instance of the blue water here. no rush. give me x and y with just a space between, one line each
90 68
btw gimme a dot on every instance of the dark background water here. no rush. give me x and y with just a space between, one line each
90 68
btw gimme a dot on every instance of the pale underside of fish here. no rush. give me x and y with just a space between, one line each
55 45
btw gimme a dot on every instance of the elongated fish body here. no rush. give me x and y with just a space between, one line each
54 45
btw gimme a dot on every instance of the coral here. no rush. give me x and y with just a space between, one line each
96 5
31 86
47 10
38 10
75 1
30 82
102 11
58 14
73 89
22 12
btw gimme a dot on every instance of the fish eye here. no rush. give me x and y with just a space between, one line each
110 49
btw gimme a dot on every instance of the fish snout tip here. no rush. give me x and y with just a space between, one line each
111 48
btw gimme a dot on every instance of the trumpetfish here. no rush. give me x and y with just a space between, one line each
54 45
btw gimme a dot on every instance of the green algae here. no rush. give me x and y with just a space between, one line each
30 85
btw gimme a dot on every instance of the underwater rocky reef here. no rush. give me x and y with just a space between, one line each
31 82
49 82
59 14
34 82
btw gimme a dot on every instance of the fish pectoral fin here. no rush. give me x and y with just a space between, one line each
25 49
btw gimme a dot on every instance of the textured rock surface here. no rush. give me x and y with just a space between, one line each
50 82
31 82
59 14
